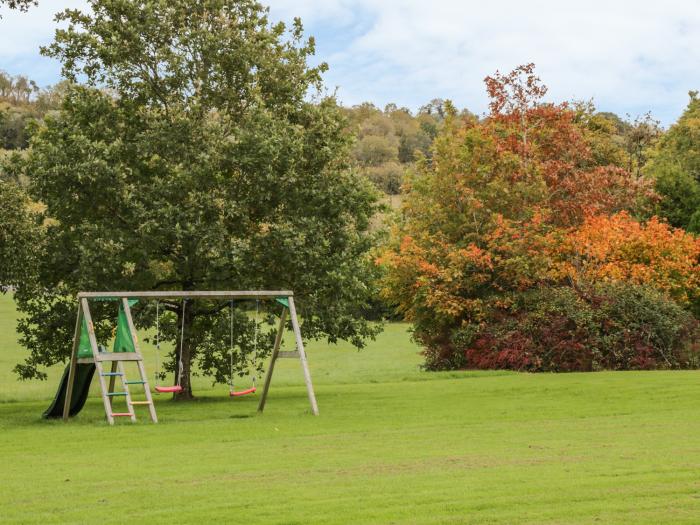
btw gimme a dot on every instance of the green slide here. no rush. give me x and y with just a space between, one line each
81 388
81 385
84 371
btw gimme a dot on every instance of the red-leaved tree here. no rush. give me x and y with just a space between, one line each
501 210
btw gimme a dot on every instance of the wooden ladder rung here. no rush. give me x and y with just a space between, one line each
122 414
135 403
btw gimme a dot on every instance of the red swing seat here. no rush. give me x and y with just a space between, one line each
168 389
242 392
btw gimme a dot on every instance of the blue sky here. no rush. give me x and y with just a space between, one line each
628 56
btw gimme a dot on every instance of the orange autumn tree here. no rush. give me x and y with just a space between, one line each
494 214
619 248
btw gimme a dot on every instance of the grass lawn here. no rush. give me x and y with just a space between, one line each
392 445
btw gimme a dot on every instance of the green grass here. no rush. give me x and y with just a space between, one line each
392 445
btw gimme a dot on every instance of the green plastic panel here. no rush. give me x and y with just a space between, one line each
283 301
123 341
84 349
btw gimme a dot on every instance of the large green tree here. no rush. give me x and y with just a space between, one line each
198 153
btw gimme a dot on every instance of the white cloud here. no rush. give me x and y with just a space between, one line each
628 55
631 56
312 11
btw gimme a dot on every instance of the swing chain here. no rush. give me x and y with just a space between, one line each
255 343
157 342
180 364
230 382
254 374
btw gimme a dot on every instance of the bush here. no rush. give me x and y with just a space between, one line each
13 127
388 177
614 326
375 150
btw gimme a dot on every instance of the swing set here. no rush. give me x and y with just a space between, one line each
87 357
177 387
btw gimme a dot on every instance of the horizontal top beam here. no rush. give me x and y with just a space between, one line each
251 294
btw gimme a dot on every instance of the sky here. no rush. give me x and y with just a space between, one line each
629 57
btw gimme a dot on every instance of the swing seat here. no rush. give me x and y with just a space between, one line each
242 392
168 389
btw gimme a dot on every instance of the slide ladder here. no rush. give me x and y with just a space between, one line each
117 370
86 351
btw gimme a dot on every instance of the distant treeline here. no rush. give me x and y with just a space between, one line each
389 141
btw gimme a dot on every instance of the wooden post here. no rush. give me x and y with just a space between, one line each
302 357
147 391
142 371
96 357
73 364
273 360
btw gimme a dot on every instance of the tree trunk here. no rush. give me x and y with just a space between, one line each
186 347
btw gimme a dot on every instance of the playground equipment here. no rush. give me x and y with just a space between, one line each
87 358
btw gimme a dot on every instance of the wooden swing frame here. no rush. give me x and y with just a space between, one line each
117 359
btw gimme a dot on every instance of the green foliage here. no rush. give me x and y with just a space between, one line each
694 222
388 177
640 137
412 143
390 141
193 159
13 127
676 168
627 143
20 234
373 150
21 102
680 194
603 135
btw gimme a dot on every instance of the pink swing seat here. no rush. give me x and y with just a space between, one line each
242 392
168 389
